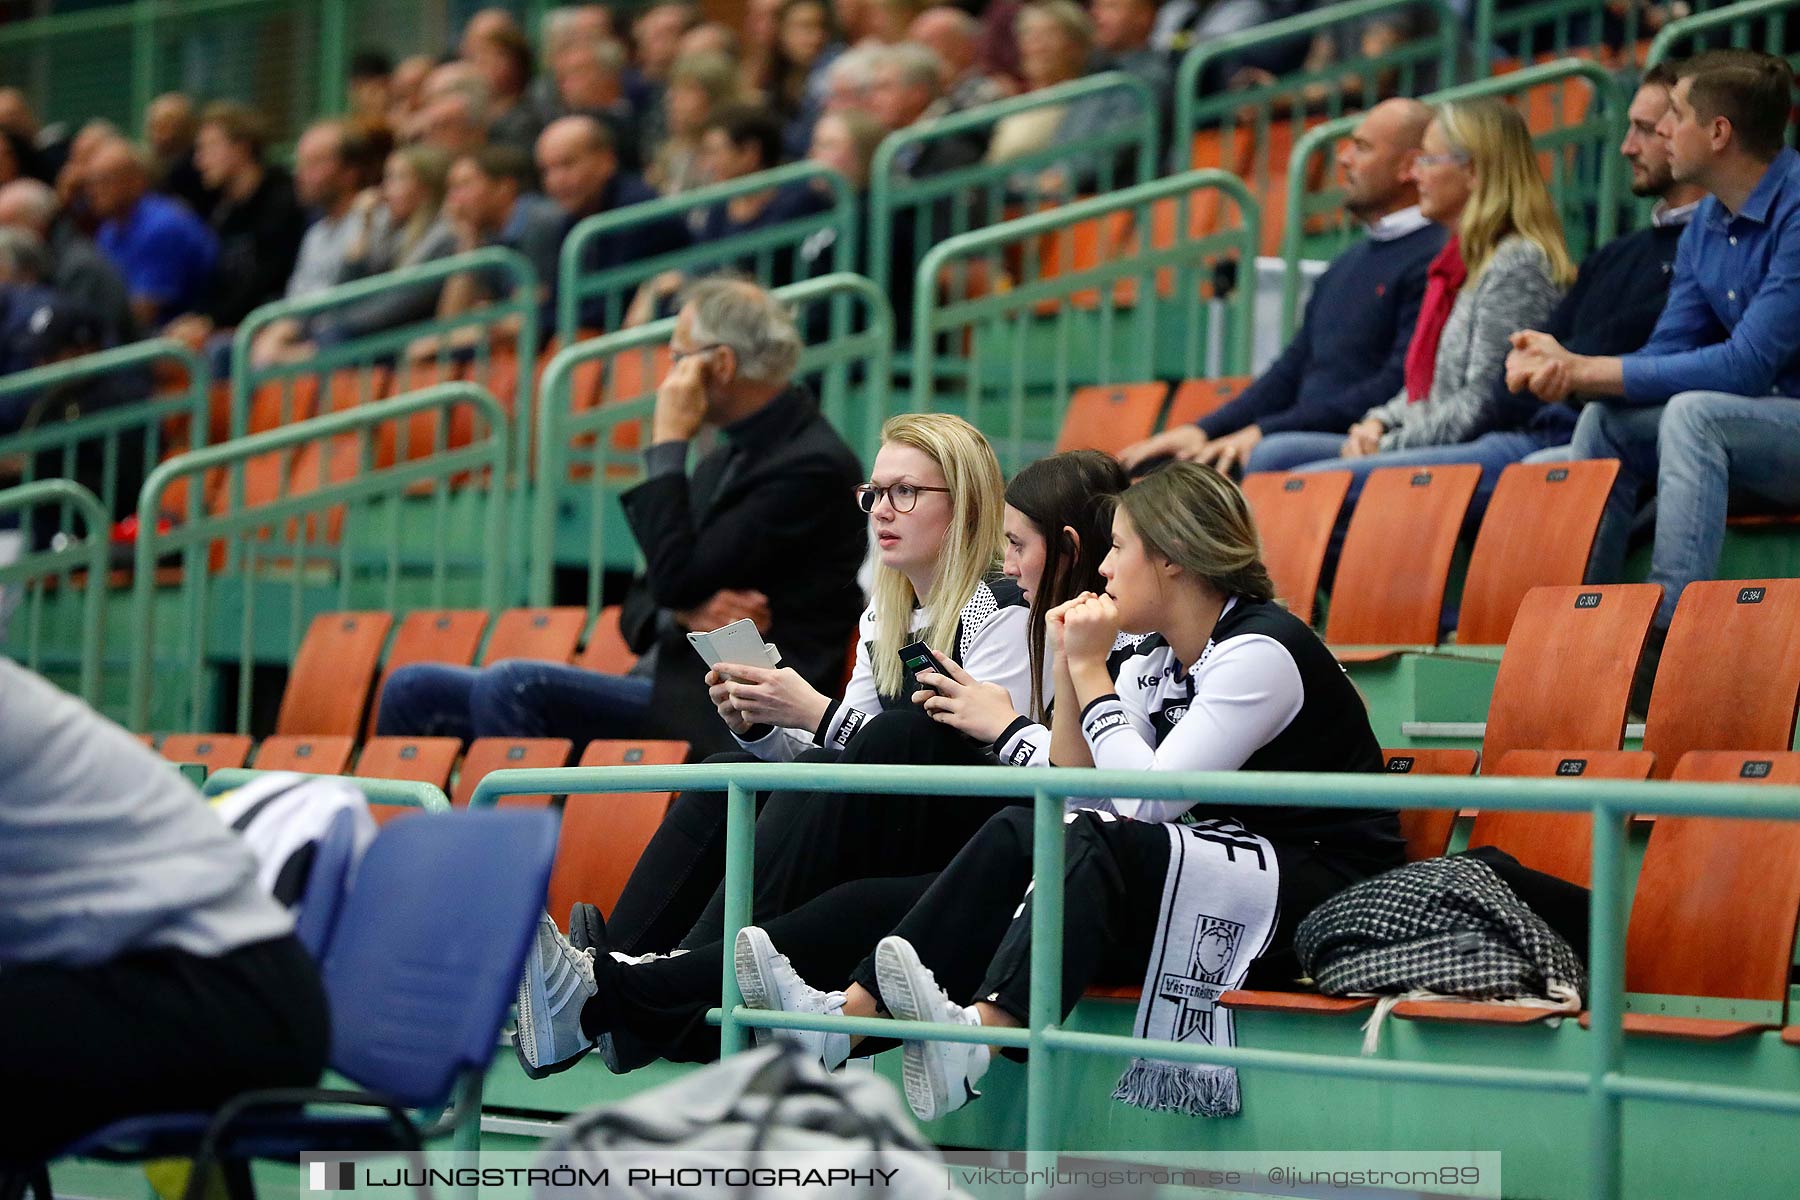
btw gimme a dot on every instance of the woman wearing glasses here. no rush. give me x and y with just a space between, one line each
874 856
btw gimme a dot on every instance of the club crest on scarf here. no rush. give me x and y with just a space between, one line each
1214 949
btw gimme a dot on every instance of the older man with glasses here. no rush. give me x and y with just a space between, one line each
759 530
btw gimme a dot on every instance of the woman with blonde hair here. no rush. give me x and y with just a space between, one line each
1503 269
699 86
935 501
1224 679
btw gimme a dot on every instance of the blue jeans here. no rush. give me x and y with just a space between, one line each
1492 452
1285 451
512 698
1700 451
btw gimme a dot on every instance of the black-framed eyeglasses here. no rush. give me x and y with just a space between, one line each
901 495
676 356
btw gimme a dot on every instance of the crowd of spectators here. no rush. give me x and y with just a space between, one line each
199 219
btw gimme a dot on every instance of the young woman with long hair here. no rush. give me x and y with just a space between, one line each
1224 679
864 856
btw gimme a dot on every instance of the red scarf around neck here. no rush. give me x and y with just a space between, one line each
1443 280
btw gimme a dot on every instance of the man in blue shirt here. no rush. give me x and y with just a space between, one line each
165 252
1710 407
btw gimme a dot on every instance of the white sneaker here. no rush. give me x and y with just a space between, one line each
558 981
940 1077
770 983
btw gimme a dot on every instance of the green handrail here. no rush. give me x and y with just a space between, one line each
1192 109
560 424
1141 264
404 792
891 192
483 457
1733 17
616 285
1602 126
63 440
30 570
1610 804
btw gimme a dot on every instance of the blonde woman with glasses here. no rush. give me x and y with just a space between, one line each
935 502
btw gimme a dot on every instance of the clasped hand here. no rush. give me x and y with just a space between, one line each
1085 629
747 695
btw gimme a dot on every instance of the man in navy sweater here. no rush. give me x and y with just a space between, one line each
1350 352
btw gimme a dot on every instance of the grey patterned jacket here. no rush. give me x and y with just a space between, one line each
1514 292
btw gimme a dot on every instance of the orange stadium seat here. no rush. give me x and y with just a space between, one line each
1111 417
1295 515
1395 564
603 835
1197 398
326 755
487 755
214 751
540 634
328 685
1427 830
430 635
606 649
421 760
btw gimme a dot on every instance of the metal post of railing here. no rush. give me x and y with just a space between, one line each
1047 863
143 54
334 53
94 548
740 854
1606 988
1678 31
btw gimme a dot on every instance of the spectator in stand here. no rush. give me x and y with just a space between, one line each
1709 409
656 36
1349 353
400 224
1122 43
740 141
486 23
371 87
453 109
581 175
1504 270
1055 39
953 35
562 28
852 19
406 91
38 324
490 203
72 179
77 268
806 43
170 126
257 221
328 175
904 90
844 142
590 81
699 86
166 254
718 547
503 60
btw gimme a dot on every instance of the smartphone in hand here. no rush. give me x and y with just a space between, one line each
917 656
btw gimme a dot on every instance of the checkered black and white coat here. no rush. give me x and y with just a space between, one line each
1449 926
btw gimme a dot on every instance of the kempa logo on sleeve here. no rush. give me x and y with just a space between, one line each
331 1176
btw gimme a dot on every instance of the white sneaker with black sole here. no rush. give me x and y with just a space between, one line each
558 981
769 983
940 1077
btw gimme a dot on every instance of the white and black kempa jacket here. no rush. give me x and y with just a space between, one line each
1266 695
990 645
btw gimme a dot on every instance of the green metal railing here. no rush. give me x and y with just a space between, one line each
287 58
764 254
341 514
492 346
1586 174
402 792
80 432
76 568
1605 1084
1013 317
1249 130
925 210
1752 25
598 394
1603 29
